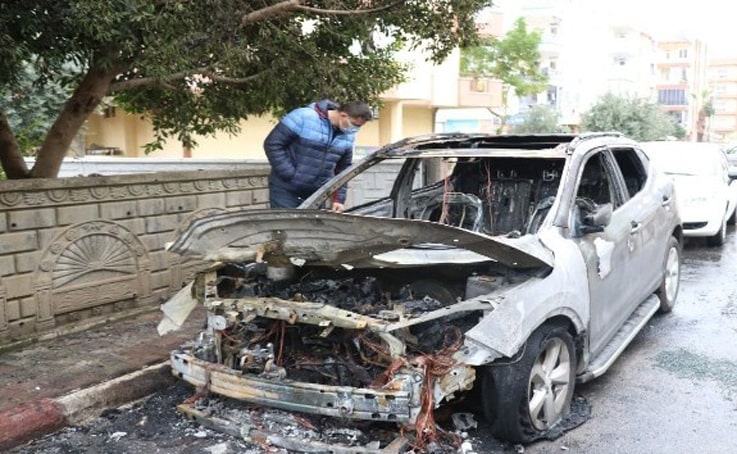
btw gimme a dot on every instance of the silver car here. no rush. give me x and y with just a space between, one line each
512 266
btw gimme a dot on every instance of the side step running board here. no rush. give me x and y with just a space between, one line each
621 340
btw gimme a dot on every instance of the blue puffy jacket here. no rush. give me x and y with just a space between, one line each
305 151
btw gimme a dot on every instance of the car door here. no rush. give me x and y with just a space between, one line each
731 185
611 254
649 203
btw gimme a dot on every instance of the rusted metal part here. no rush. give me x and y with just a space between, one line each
318 314
261 437
398 401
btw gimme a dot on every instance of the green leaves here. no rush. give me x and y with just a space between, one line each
31 104
194 68
540 119
635 118
513 59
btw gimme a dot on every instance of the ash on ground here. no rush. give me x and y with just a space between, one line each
153 425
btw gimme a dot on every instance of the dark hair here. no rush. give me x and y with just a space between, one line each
357 110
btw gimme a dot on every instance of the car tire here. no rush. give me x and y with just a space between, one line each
732 218
668 290
720 237
526 397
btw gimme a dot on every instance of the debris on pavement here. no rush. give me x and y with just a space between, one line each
464 421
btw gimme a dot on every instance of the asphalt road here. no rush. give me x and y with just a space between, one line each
674 390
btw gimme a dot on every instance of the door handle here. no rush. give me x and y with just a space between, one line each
666 201
635 227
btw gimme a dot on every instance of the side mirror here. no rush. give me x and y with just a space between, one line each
595 219
732 172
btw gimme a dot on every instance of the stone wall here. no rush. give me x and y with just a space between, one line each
77 250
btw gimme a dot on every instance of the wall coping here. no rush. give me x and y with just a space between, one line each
43 184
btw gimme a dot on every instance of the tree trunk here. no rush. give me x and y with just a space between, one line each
700 125
83 102
11 158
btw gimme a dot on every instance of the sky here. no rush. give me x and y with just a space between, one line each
712 21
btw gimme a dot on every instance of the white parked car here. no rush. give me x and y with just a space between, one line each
705 193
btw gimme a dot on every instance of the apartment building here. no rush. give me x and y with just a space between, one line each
477 96
681 71
546 17
631 66
722 82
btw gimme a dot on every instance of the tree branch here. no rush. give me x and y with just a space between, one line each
348 12
150 81
144 81
270 11
296 5
231 80
496 114
11 158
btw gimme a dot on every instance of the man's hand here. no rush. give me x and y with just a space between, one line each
338 207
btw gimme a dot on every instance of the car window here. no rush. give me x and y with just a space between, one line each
595 184
492 195
632 168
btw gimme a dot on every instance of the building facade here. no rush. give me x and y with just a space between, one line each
546 17
681 71
722 80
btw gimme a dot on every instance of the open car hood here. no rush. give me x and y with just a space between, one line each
338 239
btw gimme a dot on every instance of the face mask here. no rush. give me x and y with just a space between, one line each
350 129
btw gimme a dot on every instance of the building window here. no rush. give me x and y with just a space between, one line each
553 65
683 53
672 97
720 89
478 85
554 29
721 73
620 61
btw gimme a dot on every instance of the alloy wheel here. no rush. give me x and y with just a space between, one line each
550 379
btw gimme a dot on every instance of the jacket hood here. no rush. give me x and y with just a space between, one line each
322 107
322 237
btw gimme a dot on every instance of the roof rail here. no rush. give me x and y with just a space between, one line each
592 135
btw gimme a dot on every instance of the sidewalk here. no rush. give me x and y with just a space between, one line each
51 383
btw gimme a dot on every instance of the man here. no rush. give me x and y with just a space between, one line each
309 146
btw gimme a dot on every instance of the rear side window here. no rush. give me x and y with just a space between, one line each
632 168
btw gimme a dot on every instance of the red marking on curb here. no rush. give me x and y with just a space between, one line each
28 421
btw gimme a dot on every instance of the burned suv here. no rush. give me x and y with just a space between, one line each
513 265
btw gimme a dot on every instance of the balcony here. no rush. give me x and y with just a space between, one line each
479 92
550 46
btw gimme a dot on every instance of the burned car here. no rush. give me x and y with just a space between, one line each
512 265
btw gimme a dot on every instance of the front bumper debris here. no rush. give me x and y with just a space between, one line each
398 401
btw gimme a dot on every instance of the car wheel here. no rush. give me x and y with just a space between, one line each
668 290
720 237
523 399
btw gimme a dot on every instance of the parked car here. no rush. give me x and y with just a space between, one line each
730 149
705 193
512 266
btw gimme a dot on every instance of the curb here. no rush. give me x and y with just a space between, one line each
44 416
